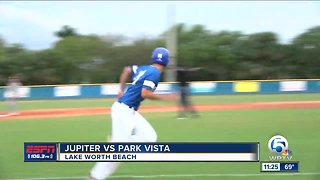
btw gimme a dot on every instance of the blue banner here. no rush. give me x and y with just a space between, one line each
159 147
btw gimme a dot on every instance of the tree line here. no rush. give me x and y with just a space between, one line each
223 55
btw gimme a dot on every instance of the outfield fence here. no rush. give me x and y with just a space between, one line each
195 88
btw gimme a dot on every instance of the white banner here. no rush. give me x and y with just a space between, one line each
293 86
163 89
203 87
67 91
23 92
110 89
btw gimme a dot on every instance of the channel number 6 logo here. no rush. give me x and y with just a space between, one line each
278 144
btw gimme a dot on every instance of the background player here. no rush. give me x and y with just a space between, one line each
12 94
185 105
128 125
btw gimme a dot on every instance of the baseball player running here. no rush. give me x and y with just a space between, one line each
128 125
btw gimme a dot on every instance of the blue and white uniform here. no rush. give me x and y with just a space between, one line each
128 125
125 118
142 77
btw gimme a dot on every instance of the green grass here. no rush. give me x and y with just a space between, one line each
300 126
105 102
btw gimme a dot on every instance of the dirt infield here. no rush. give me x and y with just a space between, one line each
67 112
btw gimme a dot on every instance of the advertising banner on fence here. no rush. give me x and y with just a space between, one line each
23 92
163 89
293 86
246 86
203 87
111 89
67 91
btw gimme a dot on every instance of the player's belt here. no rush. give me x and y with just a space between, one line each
131 107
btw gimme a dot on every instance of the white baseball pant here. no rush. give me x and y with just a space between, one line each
128 125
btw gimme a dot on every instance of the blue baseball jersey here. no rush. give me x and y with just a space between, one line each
146 76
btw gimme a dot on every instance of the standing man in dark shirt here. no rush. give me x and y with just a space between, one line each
185 105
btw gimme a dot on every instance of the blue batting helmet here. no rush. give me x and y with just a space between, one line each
160 56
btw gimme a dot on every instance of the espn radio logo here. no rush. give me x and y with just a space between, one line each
40 151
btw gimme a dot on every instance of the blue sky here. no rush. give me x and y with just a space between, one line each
33 23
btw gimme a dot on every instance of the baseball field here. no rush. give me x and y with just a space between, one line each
223 118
